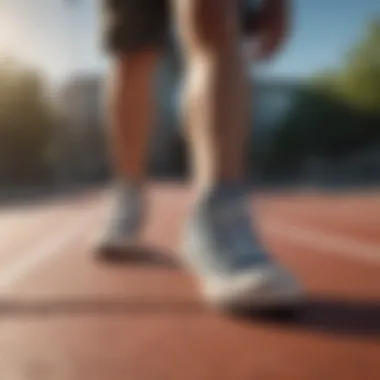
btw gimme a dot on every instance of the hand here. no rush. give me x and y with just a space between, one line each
269 44
272 28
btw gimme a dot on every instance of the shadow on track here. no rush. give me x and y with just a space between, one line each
136 256
324 315
327 316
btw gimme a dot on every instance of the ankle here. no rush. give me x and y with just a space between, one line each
126 187
221 193
226 189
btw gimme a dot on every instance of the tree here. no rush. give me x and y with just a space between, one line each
337 113
27 122
357 82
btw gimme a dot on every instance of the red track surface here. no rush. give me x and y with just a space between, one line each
65 316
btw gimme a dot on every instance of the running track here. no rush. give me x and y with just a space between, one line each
65 316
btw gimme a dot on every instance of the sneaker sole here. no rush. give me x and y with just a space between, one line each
267 286
262 288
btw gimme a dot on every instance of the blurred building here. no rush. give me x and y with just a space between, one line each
81 138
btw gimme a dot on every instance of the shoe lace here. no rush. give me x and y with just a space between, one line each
234 230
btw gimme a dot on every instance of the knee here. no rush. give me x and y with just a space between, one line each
134 66
208 24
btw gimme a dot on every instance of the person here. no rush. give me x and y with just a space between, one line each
221 246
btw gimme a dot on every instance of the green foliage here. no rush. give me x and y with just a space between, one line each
337 113
357 82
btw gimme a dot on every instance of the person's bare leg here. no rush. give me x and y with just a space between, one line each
131 112
216 93
134 33
221 248
130 117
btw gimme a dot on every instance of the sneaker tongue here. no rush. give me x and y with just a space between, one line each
227 209
225 194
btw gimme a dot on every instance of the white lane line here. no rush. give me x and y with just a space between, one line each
326 243
26 232
40 253
21 220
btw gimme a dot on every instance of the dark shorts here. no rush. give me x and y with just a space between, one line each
131 25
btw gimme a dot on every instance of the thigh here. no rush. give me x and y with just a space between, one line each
130 25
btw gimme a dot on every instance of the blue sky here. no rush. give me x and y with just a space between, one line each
61 39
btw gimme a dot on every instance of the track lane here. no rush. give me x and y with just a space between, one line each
145 322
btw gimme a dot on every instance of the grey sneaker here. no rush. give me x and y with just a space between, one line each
233 269
125 221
